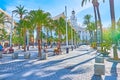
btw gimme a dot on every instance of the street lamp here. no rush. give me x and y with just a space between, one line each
67 49
12 26
27 33
72 37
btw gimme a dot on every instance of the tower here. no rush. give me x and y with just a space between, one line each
73 19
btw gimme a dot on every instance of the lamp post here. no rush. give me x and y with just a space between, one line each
72 38
27 33
12 26
67 49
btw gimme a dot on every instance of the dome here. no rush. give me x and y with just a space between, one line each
73 12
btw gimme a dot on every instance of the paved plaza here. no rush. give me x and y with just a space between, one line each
77 65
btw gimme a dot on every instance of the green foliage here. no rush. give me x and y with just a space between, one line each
20 11
16 39
2 18
106 46
3 34
93 45
109 37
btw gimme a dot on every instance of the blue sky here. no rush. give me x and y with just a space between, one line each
56 7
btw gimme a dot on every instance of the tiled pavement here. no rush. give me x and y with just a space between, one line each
77 65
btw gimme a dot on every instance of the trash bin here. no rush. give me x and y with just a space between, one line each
72 48
67 50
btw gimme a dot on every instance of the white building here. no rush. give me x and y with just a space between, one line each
83 33
7 21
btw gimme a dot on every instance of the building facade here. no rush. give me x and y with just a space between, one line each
82 32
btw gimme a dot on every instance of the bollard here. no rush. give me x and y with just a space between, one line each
67 50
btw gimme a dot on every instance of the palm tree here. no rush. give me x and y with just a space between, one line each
69 33
60 29
51 28
31 26
26 26
39 18
97 15
21 12
87 21
112 12
2 18
3 34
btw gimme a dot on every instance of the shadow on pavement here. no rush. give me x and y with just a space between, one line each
96 77
113 72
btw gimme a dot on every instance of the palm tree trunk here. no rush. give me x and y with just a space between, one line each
47 38
95 32
24 40
39 42
19 43
112 13
99 18
51 39
33 40
111 2
59 43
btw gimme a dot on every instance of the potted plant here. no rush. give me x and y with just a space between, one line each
106 47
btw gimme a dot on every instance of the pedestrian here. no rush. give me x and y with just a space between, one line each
1 47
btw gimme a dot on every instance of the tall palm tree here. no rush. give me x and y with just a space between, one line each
112 12
49 28
39 18
118 24
25 27
21 12
87 21
97 16
60 29
69 32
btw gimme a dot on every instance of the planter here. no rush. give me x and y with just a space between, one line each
14 55
27 55
44 56
0 54
105 54
99 60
